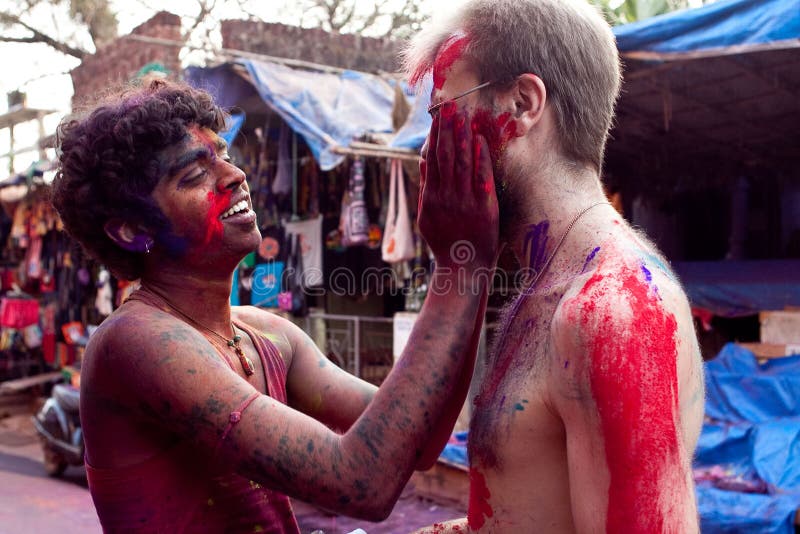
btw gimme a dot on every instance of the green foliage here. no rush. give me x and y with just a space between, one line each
623 12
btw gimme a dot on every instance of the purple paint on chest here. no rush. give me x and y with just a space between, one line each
535 246
589 258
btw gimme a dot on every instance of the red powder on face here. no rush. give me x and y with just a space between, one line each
450 52
218 203
497 130
479 508
634 381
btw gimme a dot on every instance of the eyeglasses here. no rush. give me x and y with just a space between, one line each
435 107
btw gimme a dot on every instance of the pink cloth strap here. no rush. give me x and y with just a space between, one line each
236 415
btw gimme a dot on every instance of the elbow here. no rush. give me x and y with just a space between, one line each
377 507
375 511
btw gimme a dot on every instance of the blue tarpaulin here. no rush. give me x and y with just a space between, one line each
720 24
738 288
752 434
325 109
413 133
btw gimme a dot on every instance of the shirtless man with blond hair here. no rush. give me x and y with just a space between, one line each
591 403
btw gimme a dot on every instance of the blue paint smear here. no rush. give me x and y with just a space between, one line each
647 274
589 258
536 244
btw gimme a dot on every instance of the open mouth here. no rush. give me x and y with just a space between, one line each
236 208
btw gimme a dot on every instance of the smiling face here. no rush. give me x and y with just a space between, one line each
205 198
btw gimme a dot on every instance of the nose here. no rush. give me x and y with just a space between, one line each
230 176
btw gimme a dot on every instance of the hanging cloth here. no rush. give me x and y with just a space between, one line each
398 237
354 223
283 176
310 234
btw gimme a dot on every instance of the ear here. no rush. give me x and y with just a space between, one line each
127 237
530 97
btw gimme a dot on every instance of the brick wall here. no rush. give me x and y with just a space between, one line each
118 61
347 51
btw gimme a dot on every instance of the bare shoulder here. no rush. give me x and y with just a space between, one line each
625 292
625 322
282 332
136 341
629 307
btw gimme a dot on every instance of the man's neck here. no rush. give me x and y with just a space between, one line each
206 299
550 204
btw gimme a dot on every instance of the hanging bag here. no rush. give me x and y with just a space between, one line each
354 223
293 299
398 237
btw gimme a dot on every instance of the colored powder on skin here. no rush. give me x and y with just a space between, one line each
589 258
536 244
449 53
479 508
647 275
635 386
218 204
497 131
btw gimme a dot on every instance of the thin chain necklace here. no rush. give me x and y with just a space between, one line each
247 363
529 290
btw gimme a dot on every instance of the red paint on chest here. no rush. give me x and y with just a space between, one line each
450 52
479 508
634 381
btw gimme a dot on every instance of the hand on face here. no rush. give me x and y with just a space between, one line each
458 210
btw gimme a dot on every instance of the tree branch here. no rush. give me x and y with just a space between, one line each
39 37
205 9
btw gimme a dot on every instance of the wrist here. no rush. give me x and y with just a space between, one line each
454 280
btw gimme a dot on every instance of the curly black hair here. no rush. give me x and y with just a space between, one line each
108 164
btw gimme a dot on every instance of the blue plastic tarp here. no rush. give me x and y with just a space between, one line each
326 109
720 24
753 435
737 288
222 82
233 126
728 512
412 134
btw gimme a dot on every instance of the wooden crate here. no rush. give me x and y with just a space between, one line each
766 351
445 483
780 327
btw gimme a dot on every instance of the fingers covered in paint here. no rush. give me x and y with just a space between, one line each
458 205
482 173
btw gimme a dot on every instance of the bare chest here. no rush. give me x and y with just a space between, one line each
511 394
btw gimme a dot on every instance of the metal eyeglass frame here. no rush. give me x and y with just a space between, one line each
434 107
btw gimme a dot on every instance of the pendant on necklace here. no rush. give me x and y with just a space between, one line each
247 363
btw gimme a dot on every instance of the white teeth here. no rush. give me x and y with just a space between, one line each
236 208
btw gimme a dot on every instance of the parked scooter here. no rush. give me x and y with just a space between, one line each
59 427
